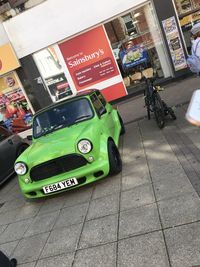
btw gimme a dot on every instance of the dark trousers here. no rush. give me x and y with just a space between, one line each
4 260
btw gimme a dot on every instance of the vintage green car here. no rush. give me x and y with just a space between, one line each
74 143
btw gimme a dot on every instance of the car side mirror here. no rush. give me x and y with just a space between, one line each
29 137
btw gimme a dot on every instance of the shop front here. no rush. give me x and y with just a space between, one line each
107 50
15 109
111 56
140 39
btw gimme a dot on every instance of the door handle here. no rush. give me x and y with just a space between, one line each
10 141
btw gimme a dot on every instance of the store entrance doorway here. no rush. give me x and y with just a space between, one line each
137 44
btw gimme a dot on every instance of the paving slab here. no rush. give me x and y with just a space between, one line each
71 215
64 260
100 256
62 240
8 217
139 221
139 196
13 204
99 231
15 231
78 196
29 210
180 210
9 247
30 264
42 223
144 250
183 244
30 248
2 228
52 204
136 174
172 187
107 186
103 206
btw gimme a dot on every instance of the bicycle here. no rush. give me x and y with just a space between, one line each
153 101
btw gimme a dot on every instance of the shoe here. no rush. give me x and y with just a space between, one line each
13 262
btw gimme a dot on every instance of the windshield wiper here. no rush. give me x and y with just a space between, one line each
45 132
60 126
81 118
53 128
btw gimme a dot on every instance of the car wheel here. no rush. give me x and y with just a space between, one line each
21 149
123 130
115 161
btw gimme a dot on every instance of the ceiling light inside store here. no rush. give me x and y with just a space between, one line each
136 15
135 21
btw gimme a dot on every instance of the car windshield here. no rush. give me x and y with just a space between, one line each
63 115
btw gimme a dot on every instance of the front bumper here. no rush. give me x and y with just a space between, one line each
85 175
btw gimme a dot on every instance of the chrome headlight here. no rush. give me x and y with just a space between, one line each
84 146
20 168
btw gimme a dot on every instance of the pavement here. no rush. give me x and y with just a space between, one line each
147 216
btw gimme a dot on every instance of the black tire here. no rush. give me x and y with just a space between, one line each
171 113
123 130
115 161
21 149
159 110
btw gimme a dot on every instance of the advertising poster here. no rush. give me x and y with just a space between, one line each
15 112
133 56
91 63
52 73
174 43
8 59
183 6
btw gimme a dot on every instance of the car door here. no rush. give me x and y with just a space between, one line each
7 154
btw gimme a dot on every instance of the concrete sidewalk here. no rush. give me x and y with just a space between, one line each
176 93
147 216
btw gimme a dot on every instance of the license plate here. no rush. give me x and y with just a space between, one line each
60 185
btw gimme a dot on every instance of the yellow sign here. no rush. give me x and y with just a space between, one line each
8 59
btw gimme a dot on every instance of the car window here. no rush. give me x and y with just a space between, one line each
62 115
97 104
101 98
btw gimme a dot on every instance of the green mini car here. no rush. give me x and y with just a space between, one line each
74 143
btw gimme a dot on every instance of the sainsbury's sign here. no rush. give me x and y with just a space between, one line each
81 58
89 58
91 63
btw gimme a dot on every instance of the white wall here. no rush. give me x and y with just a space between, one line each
3 36
55 20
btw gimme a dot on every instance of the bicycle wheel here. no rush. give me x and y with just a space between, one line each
159 110
148 108
171 113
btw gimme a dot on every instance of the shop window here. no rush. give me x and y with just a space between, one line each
52 73
15 112
130 24
186 6
141 46
189 14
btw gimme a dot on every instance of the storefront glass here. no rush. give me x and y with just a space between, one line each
137 44
15 111
189 14
52 73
